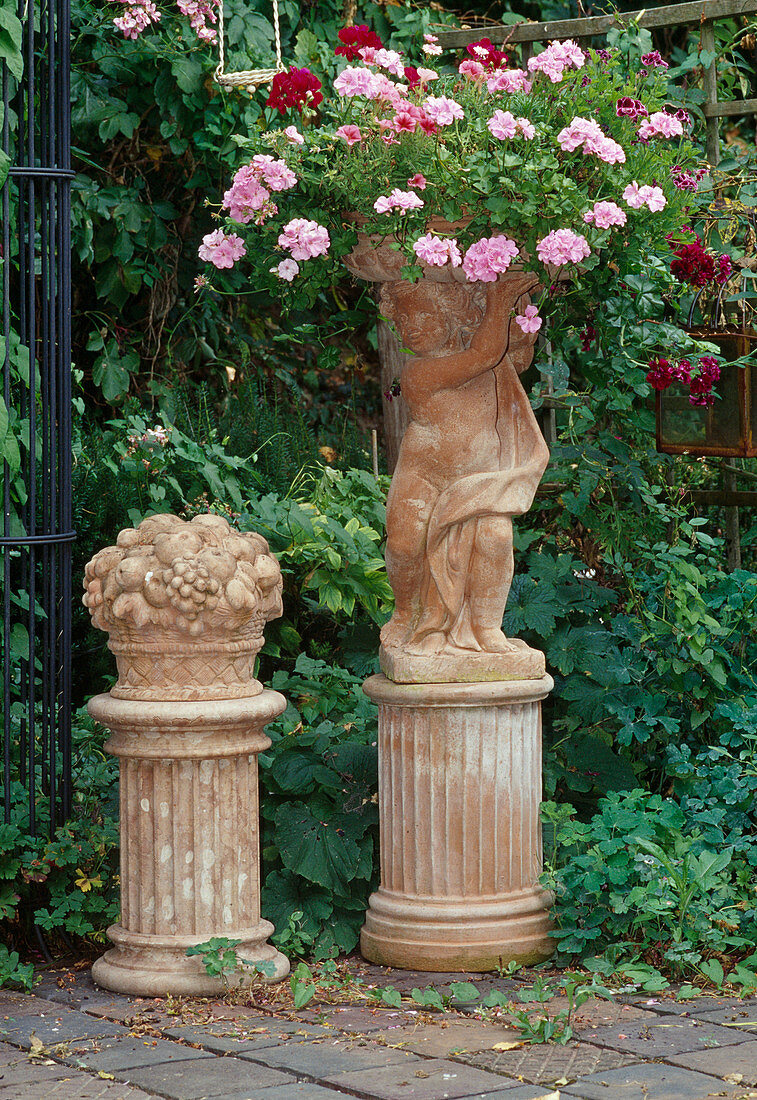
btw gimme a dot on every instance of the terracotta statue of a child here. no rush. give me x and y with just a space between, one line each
471 458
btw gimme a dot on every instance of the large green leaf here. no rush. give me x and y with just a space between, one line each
319 851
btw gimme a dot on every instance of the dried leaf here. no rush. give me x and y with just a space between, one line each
508 1046
105 1076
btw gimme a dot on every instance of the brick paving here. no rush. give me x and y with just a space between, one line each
72 1041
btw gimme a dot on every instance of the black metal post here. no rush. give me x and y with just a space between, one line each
36 533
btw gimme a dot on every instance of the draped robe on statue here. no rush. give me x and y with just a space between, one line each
451 535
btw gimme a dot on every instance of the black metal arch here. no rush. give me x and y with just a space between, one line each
36 532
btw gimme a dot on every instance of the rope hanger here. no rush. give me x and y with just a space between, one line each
247 78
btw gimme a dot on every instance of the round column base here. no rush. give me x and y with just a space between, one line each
158 966
428 934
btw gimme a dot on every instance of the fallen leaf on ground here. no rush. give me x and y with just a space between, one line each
508 1046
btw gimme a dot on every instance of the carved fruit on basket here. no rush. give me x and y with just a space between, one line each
184 601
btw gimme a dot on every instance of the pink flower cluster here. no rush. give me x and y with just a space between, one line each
605 214
586 133
488 258
250 192
304 239
221 249
138 15
646 195
562 246
557 57
660 124
529 320
437 251
200 13
474 70
431 45
398 200
508 80
504 125
442 110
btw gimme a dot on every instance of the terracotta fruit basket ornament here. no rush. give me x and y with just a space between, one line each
184 605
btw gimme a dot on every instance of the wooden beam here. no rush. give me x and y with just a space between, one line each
671 15
725 498
730 107
710 78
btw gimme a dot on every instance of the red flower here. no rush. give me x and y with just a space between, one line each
487 54
626 107
354 39
297 88
411 76
588 336
725 268
660 374
692 264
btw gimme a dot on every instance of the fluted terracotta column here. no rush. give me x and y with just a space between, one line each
459 795
184 605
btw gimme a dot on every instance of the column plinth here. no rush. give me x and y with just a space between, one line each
189 839
460 833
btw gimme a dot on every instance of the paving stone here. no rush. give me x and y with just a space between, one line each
544 1064
651 1082
669 1035
428 1079
326 1057
16 1068
59 1025
697 1007
117 1054
303 1090
234 1039
517 1092
357 1019
80 1087
722 1062
439 1040
742 1019
209 1076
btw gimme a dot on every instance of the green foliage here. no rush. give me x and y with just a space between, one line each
652 879
318 808
220 959
67 882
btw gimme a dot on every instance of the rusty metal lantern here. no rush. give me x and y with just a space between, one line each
729 426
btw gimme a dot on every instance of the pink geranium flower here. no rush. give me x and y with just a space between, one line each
488 258
286 270
562 246
474 70
529 320
418 180
660 124
305 239
442 110
605 214
437 251
646 195
221 249
293 135
398 200
354 81
351 134
509 80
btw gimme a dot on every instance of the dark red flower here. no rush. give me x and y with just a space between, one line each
709 368
411 76
692 264
588 336
487 54
626 107
654 60
354 39
660 374
296 88
725 268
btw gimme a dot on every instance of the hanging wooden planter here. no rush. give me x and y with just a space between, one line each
727 428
